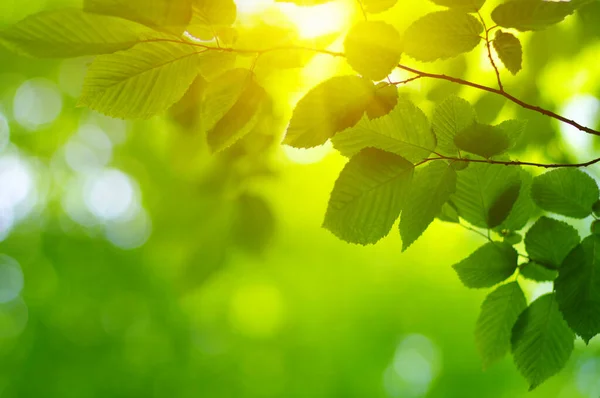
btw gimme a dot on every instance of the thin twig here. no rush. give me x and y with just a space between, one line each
489 51
511 162
362 9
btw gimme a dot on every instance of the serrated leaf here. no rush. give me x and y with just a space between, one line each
485 193
448 213
167 15
140 82
541 341
509 50
441 35
465 5
373 49
71 33
549 241
499 312
578 288
405 131
527 15
383 100
451 116
214 12
482 140
569 192
430 189
537 273
489 265
523 209
377 6
514 129
368 196
328 108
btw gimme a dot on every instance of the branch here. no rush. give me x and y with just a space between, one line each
510 162
489 51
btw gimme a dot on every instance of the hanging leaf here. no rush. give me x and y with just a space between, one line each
377 6
215 12
71 33
442 34
140 82
537 273
578 288
569 192
482 140
486 193
541 341
527 15
169 15
499 312
368 196
448 213
489 265
450 117
383 100
464 5
373 49
405 131
509 51
523 209
513 129
549 241
330 107
430 189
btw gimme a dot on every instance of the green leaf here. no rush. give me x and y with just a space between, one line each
542 341
368 196
451 116
405 131
442 34
465 5
214 12
569 192
168 15
489 265
523 209
513 129
509 50
578 288
485 193
377 6
499 312
140 82
448 213
430 189
549 241
330 107
71 33
383 101
482 140
537 272
527 15
373 49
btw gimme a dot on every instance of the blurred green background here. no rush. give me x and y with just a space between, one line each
136 264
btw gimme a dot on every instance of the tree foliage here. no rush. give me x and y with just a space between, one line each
403 163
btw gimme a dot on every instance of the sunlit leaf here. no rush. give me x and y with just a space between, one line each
482 140
541 341
537 272
405 131
527 15
377 6
71 33
509 51
383 100
451 116
140 82
465 5
569 192
578 288
373 49
330 107
549 241
442 34
430 189
514 129
523 209
448 213
368 196
499 312
489 265
214 12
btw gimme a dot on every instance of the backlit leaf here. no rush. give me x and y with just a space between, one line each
489 265
482 140
383 100
527 15
509 51
465 5
549 241
377 6
451 116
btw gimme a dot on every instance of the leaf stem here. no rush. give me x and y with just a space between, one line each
511 162
489 51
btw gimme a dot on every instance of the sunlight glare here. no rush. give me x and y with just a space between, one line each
319 20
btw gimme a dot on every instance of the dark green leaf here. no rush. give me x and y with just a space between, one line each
513 129
549 241
482 140
449 213
383 101
368 196
373 49
499 312
509 51
489 265
569 192
71 33
527 15
578 288
442 34
523 209
542 341
502 206
405 131
538 272
431 188
450 117
330 107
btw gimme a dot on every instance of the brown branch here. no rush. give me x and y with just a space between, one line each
489 51
510 162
